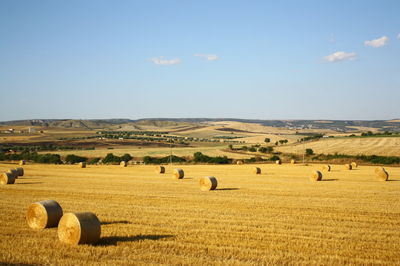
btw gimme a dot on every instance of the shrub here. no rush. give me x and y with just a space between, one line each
309 152
94 160
274 158
72 158
198 157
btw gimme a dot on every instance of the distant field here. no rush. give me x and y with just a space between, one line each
155 152
278 217
353 146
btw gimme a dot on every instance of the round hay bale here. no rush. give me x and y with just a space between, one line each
82 164
160 169
44 214
22 162
257 170
326 167
178 173
20 171
79 228
316 176
378 169
354 165
381 174
347 166
7 178
293 162
123 164
239 162
278 162
208 183
14 172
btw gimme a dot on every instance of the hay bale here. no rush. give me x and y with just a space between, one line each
239 162
208 183
354 165
160 169
82 164
326 167
14 172
278 162
381 174
7 178
347 166
293 162
20 171
22 162
378 169
316 176
257 170
44 214
79 228
123 164
178 173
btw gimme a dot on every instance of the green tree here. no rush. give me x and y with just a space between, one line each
309 152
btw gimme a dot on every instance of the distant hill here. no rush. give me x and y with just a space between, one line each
336 125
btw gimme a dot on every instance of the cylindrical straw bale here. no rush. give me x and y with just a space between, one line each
257 170
44 214
378 169
278 162
316 176
381 174
20 171
208 183
326 167
347 166
22 162
14 172
123 164
354 165
79 228
7 178
292 161
82 164
239 162
160 169
178 173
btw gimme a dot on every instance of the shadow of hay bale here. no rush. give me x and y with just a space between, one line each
114 240
115 222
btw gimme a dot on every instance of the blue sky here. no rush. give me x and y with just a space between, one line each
242 59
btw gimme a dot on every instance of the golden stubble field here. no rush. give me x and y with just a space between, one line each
389 146
278 217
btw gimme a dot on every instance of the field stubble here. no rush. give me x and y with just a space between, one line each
277 217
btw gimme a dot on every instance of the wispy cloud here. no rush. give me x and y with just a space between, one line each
398 36
209 57
340 56
377 42
162 61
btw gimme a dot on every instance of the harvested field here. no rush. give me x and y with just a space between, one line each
386 146
277 217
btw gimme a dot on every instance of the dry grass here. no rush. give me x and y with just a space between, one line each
278 217
353 146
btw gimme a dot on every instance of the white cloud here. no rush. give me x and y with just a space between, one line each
161 61
340 56
398 36
209 57
377 42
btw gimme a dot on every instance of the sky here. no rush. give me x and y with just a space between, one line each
98 59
